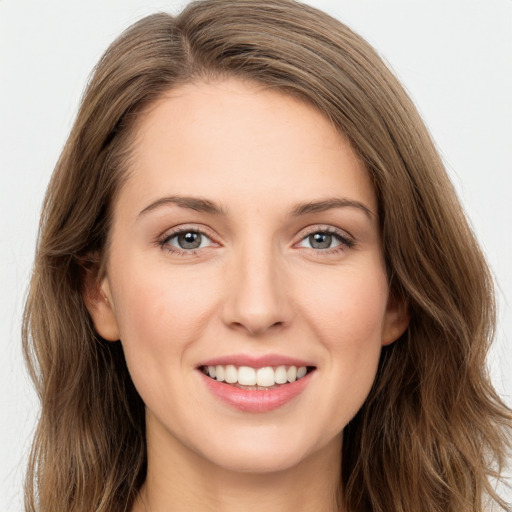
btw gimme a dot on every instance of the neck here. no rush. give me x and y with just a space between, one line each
179 479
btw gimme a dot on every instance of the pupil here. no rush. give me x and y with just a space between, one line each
320 240
189 240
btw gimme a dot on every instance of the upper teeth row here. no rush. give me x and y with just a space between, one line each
247 376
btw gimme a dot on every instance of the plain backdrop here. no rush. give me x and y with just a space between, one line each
454 57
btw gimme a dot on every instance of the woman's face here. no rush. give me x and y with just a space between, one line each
245 239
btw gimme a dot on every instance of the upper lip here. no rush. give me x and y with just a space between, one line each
256 361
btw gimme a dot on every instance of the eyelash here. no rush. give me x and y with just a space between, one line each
344 241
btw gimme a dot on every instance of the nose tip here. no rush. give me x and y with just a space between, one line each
257 300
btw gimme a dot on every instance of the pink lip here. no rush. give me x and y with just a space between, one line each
256 361
256 400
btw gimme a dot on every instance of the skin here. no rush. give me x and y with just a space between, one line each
256 286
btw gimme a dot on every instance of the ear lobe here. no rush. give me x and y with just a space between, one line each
98 300
396 319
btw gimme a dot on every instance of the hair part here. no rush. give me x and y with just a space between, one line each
432 434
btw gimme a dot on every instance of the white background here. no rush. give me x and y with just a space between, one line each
454 56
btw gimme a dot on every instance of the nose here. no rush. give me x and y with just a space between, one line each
257 294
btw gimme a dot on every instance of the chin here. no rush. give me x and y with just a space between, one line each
257 461
262 453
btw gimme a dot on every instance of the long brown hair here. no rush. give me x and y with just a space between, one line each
432 434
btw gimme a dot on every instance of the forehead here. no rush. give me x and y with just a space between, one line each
240 142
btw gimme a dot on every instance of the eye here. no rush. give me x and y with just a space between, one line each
325 239
186 240
321 241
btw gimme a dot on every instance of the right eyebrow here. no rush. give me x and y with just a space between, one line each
198 204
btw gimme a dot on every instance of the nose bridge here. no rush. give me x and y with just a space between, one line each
257 297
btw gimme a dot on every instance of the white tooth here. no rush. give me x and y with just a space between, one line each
265 376
291 374
301 372
211 371
219 373
280 375
246 376
231 374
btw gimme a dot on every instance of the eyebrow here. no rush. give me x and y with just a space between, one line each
328 204
192 203
200 204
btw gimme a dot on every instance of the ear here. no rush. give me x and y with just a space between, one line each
98 300
396 319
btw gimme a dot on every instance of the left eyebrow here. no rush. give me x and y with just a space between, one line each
328 204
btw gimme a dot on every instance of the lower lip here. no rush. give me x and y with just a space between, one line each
248 400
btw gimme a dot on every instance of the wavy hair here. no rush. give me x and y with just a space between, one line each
433 434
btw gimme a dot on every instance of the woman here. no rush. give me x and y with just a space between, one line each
254 286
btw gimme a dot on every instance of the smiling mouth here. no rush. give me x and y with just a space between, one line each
257 379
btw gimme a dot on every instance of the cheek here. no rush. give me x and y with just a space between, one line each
348 308
160 315
159 306
346 316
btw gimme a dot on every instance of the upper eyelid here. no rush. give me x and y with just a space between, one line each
319 228
170 236
172 232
